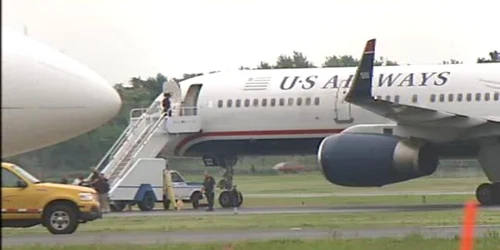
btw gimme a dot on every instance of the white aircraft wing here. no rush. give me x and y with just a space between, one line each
360 94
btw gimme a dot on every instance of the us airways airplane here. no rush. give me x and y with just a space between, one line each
372 129
47 97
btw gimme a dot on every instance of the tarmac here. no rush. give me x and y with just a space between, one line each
86 238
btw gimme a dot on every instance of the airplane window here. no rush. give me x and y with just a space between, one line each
316 101
237 103
273 102
247 102
220 103
487 96
460 97
388 98
282 101
396 99
229 103
264 102
414 98
478 97
290 101
441 98
308 101
379 97
468 97
433 98
255 102
450 97
299 101
496 96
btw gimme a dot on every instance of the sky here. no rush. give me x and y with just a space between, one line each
120 39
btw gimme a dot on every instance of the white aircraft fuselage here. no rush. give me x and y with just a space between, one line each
48 97
290 111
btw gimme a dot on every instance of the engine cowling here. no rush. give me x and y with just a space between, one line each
374 160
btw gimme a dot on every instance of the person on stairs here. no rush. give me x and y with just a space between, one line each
166 104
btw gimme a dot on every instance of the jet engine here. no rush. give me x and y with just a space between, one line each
374 160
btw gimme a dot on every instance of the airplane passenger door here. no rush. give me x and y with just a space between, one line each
342 108
190 104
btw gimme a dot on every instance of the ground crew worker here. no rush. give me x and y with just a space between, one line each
80 181
235 199
166 202
208 188
102 188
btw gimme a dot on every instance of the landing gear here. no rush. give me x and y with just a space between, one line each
226 184
488 194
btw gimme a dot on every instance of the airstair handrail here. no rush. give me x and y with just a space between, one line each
124 135
143 142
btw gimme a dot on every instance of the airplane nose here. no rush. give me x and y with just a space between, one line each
101 100
104 99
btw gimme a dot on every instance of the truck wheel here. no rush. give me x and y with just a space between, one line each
60 219
225 199
147 203
117 206
195 199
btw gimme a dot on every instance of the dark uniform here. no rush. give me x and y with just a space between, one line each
208 186
166 104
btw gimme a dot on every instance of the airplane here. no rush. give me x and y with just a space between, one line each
48 97
368 126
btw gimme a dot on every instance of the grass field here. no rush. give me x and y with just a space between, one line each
272 221
316 183
339 201
413 242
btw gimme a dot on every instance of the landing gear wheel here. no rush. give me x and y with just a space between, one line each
485 194
117 206
225 199
60 219
147 203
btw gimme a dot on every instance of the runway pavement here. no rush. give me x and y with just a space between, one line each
85 238
178 237
305 209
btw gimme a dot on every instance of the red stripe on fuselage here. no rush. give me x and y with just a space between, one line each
255 133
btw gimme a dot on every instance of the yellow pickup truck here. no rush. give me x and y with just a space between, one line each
27 202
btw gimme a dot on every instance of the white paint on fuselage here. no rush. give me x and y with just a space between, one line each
47 97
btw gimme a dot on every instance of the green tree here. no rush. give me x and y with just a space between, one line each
494 58
452 61
349 61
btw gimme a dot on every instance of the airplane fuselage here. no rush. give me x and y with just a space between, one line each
290 111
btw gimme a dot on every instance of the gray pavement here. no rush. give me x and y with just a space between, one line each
304 209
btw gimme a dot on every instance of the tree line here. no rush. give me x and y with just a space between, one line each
85 151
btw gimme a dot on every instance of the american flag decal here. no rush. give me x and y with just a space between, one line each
257 83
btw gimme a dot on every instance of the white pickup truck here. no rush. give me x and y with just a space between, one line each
143 185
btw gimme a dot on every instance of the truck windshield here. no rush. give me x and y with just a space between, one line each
26 175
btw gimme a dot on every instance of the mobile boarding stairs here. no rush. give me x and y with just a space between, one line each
129 164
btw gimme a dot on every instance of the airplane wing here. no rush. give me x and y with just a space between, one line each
360 94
